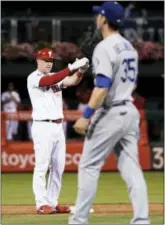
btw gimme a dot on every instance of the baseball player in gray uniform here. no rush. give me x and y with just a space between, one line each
115 123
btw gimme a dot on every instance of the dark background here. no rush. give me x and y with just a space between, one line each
63 7
150 82
73 8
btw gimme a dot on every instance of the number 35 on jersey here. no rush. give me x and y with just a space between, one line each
129 70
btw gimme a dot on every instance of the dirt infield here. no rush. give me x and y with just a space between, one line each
98 208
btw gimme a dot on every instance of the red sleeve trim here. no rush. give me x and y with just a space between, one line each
54 78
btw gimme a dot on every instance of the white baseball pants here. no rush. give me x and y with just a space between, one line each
11 129
50 150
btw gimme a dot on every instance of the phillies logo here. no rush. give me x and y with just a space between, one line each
55 88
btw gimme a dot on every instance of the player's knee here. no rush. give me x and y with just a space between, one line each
141 180
139 186
83 164
90 164
41 169
89 167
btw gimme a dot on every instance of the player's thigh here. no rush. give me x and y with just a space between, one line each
105 130
59 153
128 161
100 145
42 143
127 147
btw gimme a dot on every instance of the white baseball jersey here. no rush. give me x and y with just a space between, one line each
10 106
46 101
116 58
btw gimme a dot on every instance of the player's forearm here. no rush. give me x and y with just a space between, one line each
54 78
73 80
96 100
97 97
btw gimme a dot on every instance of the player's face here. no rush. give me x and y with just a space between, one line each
10 87
45 66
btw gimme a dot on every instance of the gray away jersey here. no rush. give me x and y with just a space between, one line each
116 58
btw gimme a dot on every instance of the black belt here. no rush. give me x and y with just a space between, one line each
124 102
50 121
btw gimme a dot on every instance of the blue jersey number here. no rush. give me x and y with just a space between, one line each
129 70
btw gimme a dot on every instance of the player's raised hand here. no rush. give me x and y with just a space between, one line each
78 64
83 69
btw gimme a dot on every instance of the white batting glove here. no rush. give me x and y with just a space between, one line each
84 68
78 64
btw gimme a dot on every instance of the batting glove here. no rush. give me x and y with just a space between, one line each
84 68
78 64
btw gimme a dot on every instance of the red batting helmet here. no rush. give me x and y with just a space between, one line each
45 54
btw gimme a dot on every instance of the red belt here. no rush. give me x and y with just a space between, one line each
50 121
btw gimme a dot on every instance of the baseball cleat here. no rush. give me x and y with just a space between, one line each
46 209
62 209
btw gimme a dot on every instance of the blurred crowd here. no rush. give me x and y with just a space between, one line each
33 34
31 28
21 130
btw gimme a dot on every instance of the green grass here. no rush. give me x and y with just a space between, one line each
17 188
63 219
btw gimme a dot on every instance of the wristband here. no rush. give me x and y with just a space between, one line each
79 74
88 112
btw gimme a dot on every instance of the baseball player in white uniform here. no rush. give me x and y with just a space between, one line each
115 123
45 91
10 101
